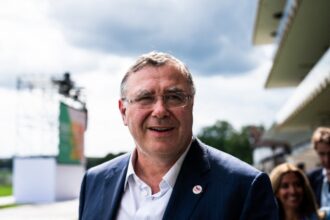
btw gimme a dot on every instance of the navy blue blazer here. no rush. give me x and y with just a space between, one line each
316 180
231 189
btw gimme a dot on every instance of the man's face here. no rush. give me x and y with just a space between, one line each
158 131
323 150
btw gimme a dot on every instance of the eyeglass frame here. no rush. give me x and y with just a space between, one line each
135 100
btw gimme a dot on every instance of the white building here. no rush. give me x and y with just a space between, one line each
300 29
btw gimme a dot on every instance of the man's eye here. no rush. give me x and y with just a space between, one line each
145 99
175 97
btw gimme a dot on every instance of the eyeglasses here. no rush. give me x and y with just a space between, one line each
171 100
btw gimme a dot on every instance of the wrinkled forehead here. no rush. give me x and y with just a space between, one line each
157 78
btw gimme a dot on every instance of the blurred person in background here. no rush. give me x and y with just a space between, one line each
294 195
170 174
320 177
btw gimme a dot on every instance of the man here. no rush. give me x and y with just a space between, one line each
170 174
320 177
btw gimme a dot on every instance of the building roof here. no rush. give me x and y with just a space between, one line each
307 108
268 17
292 137
302 59
304 36
311 110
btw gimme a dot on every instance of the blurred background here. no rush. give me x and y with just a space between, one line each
261 69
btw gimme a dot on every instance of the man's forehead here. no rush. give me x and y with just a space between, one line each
169 80
170 89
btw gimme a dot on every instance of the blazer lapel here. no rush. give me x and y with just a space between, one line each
319 187
113 190
190 184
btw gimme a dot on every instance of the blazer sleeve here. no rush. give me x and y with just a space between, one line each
260 202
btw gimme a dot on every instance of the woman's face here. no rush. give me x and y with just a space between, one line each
291 191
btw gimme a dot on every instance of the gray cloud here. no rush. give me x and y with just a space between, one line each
212 36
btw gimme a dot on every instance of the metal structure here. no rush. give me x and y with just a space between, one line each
37 112
49 156
36 116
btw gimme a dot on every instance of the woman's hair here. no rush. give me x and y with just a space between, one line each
308 205
321 135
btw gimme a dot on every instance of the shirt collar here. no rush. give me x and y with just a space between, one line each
130 169
324 173
172 174
169 177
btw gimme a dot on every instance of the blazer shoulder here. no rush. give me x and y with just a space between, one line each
315 173
230 164
220 165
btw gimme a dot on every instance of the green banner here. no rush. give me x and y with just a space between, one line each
71 135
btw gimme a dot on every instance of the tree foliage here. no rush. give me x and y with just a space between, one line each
224 137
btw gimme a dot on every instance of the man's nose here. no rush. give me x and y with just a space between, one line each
159 108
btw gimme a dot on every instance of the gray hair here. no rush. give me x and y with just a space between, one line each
156 59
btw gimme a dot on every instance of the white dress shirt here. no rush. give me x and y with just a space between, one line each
138 202
325 193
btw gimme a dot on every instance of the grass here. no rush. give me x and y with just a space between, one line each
6 190
8 206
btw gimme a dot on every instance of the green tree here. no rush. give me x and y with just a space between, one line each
224 137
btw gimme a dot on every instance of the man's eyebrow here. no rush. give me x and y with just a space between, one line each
174 90
143 92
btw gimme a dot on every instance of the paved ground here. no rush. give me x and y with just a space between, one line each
67 210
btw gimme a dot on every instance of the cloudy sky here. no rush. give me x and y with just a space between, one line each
96 41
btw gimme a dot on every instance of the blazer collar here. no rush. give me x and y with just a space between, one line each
184 196
114 189
190 183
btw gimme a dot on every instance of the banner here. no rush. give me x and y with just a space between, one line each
71 135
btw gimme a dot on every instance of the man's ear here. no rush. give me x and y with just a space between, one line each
122 109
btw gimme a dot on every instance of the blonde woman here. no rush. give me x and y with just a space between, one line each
293 193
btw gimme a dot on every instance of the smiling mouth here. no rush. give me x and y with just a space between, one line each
294 199
159 129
